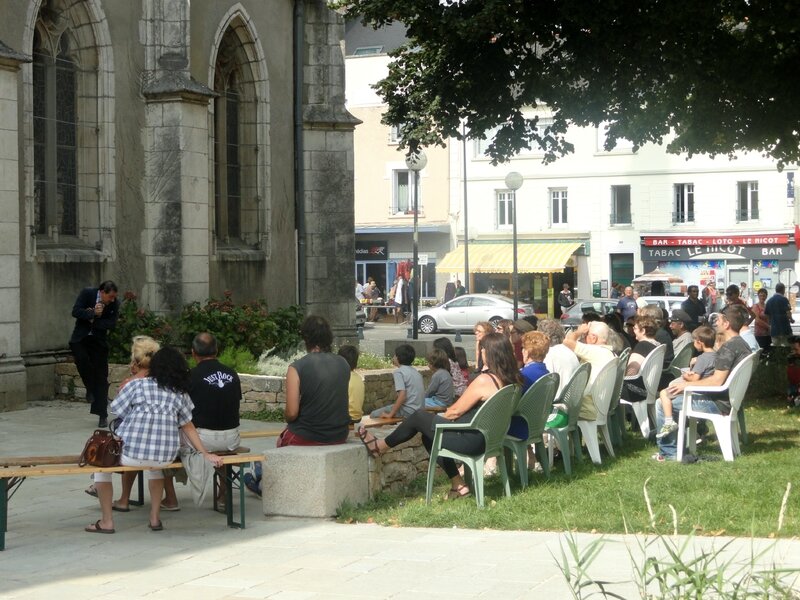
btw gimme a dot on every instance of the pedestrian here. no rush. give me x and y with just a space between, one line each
565 297
779 312
460 289
95 311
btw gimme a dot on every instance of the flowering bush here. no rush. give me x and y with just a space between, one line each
248 326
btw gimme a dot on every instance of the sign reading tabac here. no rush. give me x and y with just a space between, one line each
721 240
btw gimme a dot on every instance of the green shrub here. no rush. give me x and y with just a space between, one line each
133 321
239 359
275 364
248 327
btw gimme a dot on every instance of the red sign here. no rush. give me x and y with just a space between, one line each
720 240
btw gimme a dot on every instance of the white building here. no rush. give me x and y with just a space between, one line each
589 219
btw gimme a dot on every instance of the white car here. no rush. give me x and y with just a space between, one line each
669 303
464 312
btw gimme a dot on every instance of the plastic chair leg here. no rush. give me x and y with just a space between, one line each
589 431
608 442
542 455
577 451
742 426
725 441
431 473
681 435
502 465
477 479
640 410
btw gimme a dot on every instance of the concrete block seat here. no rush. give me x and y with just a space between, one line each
313 481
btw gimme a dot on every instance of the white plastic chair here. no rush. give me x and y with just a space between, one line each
650 372
616 414
602 392
564 436
726 426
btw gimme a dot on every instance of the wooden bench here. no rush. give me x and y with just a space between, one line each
15 470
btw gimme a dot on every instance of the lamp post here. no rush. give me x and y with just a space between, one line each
415 163
466 206
513 183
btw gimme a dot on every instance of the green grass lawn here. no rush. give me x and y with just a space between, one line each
711 497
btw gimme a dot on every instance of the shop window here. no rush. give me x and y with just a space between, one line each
747 205
620 205
558 207
683 209
505 209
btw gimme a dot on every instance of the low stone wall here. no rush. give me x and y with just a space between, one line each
259 392
398 467
393 471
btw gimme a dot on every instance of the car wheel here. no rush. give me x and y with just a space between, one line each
495 320
427 325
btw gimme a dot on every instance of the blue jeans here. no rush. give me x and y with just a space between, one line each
434 403
668 445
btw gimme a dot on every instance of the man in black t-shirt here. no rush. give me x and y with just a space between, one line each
216 395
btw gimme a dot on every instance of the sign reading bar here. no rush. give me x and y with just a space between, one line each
730 240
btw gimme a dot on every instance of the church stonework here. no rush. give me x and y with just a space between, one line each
197 157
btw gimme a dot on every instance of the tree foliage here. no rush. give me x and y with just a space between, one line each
704 76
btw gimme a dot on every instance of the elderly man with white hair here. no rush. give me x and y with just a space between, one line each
594 350
559 358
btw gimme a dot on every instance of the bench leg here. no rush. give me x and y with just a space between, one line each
233 479
139 490
3 511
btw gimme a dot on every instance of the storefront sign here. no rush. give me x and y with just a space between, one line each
723 241
698 252
372 250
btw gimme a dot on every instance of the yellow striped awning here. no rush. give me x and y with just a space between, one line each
538 257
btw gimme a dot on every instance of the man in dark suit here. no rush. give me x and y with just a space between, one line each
95 313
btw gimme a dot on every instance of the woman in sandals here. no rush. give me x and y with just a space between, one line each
501 370
153 409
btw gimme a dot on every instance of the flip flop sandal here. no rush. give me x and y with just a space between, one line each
157 527
91 491
117 508
97 529
175 508
371 445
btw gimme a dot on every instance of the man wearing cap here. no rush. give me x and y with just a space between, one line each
694 307
681 326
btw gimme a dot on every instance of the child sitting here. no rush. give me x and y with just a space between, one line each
463 364
355 389
793 373
703 339
407 383
440 390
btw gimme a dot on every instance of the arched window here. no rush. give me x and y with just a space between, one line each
237 215
69 159
55 136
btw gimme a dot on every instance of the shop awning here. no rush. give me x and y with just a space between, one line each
539 257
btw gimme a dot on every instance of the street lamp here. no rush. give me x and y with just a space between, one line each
466 206
513 183
415 163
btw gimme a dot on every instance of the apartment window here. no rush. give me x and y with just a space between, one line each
367 50
558 207
505 208
480 146
620 205
623 145
402 198
683 209
395 133
747 209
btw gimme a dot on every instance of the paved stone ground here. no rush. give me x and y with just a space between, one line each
48 555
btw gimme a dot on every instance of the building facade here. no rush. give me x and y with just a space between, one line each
623 213
180 148
385 188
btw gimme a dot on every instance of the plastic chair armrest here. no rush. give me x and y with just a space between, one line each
450 426
700 389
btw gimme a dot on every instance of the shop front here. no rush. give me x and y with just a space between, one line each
543 267
755 259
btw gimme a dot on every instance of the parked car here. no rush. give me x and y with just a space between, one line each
571 318
465 311
669 303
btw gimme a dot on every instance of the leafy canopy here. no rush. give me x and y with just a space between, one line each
712 76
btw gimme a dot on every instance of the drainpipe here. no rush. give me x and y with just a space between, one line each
299 171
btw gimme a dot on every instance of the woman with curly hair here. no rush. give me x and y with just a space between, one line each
501 370
153 410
